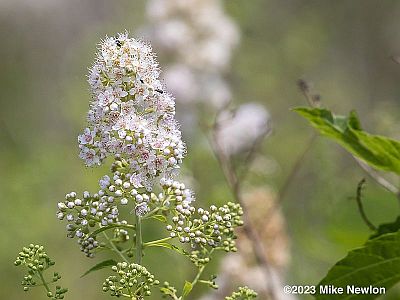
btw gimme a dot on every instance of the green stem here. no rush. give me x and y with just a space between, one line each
44 282
199 273
115 249
150 214
149 244
139 243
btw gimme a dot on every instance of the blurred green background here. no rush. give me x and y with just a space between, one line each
342 47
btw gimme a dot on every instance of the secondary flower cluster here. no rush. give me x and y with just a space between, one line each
84 214
131 114
131 280
37 261
200 228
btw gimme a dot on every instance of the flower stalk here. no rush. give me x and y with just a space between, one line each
139 242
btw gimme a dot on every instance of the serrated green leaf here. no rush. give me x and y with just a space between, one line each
101 265
375 264
187 288
386 228
378 151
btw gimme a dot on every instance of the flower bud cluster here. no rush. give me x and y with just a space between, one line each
84 214
168 291
37 261
243 293
176 191
131 114
213 228
131 280
34 257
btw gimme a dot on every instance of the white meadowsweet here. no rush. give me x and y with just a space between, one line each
132 118
131 115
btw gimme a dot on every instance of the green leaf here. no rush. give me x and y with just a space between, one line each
386 228
99 266
375 264
187 288
378 151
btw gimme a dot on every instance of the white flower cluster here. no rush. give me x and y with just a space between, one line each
132 118
199 37
131 115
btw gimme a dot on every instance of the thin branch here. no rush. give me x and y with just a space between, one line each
234 184
289 179
313 99
360 206
255 147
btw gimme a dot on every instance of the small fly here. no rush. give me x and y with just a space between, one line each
157 90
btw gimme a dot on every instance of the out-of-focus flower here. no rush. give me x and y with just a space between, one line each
198 38
238 130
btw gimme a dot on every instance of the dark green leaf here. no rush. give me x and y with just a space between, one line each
99 266
386 228
375 264
378 151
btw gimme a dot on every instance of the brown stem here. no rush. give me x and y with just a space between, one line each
289 179
235 186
